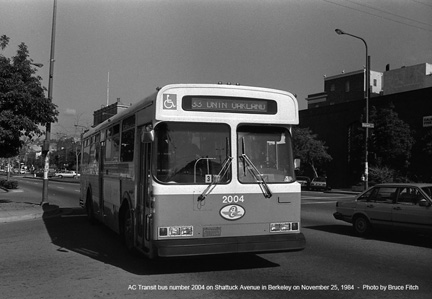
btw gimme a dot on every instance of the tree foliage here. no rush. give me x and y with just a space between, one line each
392 139
23 105
427 140
309 149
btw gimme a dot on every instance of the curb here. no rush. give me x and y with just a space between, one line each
343 192
36 213
11 190
77 181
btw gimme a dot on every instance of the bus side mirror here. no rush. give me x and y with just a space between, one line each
147 136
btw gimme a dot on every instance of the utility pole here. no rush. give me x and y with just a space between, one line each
46 144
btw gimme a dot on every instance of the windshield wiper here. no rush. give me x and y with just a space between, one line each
220 175
257 175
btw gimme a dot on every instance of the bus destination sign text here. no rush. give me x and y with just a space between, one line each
228 105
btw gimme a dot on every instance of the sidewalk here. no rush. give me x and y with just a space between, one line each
11 211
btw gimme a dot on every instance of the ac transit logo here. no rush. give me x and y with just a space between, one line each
232 212
169 101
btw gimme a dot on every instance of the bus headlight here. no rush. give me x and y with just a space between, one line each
176 231
284 227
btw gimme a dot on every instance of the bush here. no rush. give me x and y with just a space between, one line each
9 184
402 179
379 175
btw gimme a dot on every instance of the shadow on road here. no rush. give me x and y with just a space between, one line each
71 231
406 238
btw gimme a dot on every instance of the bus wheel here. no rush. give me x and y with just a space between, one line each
89 209
128 230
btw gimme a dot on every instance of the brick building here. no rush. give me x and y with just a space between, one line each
106 112
334 113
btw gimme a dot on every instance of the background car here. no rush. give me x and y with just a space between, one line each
319 183
396 206
66 174
40 173
304 181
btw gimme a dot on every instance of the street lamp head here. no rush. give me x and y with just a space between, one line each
37 64
340 32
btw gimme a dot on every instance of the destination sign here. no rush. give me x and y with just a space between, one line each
229 104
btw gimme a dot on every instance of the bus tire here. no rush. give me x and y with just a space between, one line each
89 209
127 230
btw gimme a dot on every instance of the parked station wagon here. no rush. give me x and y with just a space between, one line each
319 183
397 206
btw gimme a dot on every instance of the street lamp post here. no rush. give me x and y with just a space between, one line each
366 94
46 144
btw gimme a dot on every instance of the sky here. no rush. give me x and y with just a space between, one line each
144 44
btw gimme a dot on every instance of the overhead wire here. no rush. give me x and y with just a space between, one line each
425 4
389 13
379 16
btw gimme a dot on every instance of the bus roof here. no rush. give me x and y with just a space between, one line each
217 89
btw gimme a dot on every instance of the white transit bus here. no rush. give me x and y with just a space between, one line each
197 169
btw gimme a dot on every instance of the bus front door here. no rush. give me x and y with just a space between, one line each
143 201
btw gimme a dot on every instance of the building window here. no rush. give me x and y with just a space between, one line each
347 86
332 87
375 82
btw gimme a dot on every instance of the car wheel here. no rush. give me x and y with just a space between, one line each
361 225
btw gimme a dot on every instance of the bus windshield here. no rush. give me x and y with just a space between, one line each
191 152
265 154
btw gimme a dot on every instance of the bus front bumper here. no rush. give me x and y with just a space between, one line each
258 244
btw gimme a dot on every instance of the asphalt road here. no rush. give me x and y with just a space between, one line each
65 257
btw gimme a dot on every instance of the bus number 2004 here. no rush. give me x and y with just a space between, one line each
232 198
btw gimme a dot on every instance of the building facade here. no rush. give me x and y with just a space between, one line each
106 112
337 112
345 87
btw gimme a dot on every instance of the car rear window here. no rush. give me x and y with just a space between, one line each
385 194
428 191
380 194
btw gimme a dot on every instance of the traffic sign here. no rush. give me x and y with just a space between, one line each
368 125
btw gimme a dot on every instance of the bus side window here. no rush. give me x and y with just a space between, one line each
112 148
127 146
127 139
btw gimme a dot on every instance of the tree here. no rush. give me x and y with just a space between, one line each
392 139
23 105
309 149
427 140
